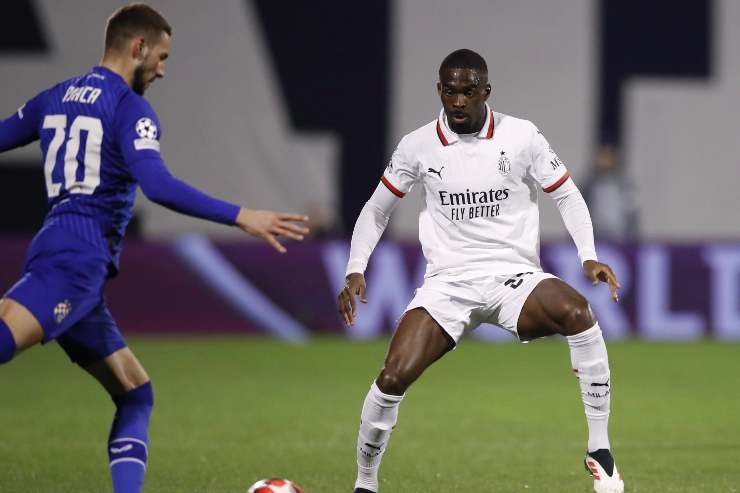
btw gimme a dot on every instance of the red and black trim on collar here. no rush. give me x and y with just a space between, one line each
390 187
489 134
485 133
557 184
441 134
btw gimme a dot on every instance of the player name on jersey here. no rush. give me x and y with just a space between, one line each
84 94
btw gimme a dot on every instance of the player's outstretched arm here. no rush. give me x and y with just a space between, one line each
371 223
161 187
138 132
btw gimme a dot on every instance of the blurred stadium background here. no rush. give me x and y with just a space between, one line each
297 106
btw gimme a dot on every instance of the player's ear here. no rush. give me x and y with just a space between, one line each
488 90
139 48
439 88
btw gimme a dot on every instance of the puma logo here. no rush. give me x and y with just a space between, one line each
439 173
125 448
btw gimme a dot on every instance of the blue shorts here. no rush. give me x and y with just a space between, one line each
62 286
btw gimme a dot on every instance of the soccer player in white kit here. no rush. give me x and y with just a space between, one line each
479 229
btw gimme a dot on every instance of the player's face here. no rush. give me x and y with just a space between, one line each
152 64
464 92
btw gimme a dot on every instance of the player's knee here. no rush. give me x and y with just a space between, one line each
391 383
576 316
395 379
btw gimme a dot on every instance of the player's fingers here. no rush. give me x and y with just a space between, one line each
606 275
613 286
613 276
301 230
275 244
287 216
288 233
352 302
615 293
349 308
343 306
361 291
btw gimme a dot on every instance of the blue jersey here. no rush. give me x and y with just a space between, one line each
99 140
91 129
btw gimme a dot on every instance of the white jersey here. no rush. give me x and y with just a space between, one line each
480 192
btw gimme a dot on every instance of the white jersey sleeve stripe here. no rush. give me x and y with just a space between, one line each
395 191
557 184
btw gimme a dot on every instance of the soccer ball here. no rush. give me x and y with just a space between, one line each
275 485
146 129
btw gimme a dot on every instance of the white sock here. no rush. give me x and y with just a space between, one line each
379 415
591 365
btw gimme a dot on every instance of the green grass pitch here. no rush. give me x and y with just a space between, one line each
486 418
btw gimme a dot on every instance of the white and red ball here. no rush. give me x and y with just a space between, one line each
275 485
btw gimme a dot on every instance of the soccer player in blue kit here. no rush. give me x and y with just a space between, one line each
100 139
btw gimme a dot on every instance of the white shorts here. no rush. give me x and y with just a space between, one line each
460 305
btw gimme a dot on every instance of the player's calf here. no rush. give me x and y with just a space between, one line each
590 363
128 440
378 418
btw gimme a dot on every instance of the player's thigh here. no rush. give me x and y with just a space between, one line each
25 328
418 342
554 307
119 372
62 281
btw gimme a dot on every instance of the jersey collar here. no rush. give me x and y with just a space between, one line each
106 72
448 137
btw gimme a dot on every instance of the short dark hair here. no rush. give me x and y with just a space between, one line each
136 19
463 58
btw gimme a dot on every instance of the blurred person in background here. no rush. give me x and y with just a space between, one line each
611 197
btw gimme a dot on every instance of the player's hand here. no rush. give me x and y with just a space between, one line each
596 271
353 285
267 225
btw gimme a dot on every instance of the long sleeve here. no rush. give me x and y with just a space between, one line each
161 187
371 223
576 217
21 127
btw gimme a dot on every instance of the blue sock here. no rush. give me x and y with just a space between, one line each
127 443
7 343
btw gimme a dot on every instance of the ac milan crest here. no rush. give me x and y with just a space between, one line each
504 165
